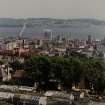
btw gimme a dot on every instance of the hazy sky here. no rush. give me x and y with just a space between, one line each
53 8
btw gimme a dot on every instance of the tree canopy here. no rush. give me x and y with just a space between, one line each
68 71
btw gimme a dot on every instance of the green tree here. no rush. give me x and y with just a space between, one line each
38 69
17 65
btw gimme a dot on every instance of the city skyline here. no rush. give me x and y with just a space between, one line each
52 9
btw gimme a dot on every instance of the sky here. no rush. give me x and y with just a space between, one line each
52 8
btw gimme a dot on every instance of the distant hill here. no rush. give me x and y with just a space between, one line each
52 22
76 28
